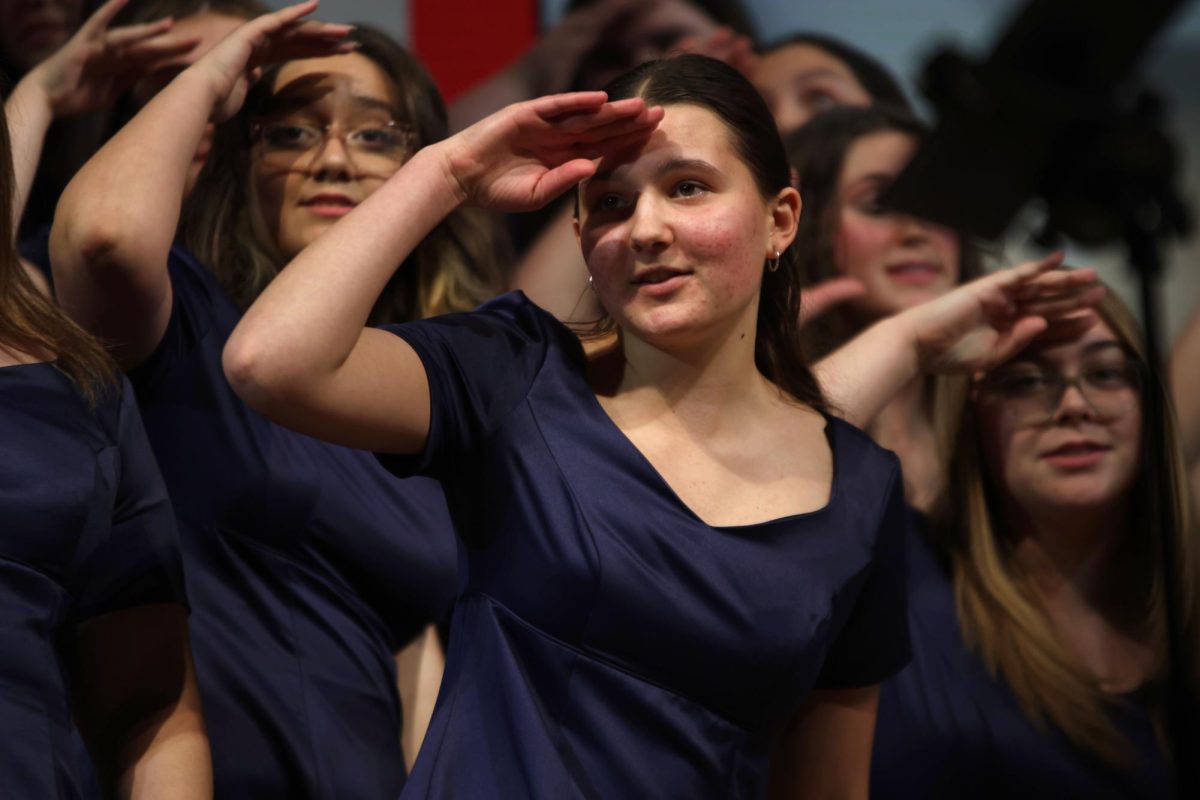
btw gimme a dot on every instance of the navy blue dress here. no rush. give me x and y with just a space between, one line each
609 644
948 729
85 529
308 567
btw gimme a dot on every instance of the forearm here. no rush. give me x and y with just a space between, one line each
168 756
861 377
122 208
305 324
29 117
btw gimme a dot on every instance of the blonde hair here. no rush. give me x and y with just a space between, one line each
1000 609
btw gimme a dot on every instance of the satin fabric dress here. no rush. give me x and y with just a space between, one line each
948 729
85 530
308 567
608 643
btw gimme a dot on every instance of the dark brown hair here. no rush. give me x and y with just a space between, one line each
716 87
455 268
817 152
29 321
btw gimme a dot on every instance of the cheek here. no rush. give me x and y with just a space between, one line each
859 245
947 244
730 246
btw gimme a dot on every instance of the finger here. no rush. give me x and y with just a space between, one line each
132 34
646 120
102 16
553 106
819 298
1070 328
561 178
616 145
1017 338
1066 304
155 50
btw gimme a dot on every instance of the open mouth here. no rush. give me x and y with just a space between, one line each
914 272
658 275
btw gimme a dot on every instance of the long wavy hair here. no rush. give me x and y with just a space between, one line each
714 86
999 607
817 152
456 267
29 321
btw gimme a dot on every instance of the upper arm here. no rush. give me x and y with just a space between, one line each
378 399
826 751
126 304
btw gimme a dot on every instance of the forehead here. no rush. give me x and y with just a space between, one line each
334 79
1095 339
881 153
799 61
686 132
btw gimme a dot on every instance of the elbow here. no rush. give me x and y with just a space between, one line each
256 375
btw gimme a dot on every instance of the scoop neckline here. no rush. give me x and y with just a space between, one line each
664 484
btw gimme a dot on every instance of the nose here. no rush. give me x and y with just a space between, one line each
912 230
1073 404
332 161
650 230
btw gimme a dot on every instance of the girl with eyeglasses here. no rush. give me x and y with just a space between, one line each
1036 605
309 565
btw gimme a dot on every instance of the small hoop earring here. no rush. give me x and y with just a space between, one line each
773 263
591 283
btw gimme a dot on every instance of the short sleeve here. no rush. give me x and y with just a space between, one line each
873 644
480 365
194 297
138 561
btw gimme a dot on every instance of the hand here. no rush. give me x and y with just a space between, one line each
96 64
989 320
818 299
523 156
550 65
723 44
234 64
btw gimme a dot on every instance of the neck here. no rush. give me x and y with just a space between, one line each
708 373
1070 551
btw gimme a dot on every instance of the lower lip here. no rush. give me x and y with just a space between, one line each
330 211
662 288
916 276
1072 461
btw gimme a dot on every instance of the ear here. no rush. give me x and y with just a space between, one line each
784 209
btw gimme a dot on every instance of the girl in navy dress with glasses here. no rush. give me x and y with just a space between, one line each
310 565
93 616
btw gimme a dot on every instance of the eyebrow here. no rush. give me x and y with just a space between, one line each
1089 349
671 165
375 104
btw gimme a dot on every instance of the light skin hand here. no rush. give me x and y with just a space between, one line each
98 63
523 157
818 299
233 65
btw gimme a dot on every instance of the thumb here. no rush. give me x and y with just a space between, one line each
819 298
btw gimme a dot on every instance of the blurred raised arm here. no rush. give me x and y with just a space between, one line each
116 221
972 328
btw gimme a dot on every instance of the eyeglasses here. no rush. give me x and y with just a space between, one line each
375 146
1033 396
